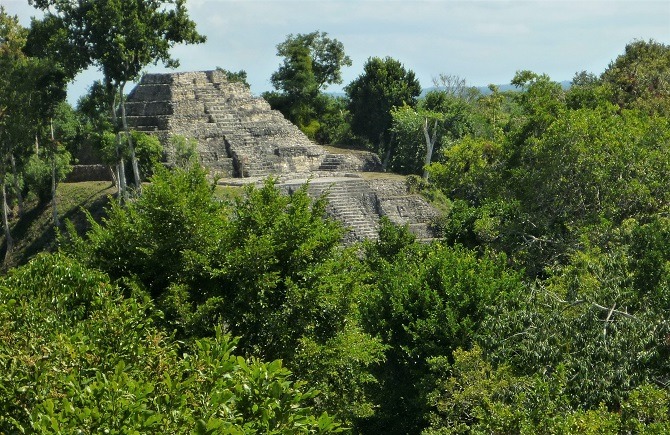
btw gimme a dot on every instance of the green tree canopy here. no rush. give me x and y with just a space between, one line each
269 266
640 78
440 119
31 89
426 300
312 61
384 84
79 355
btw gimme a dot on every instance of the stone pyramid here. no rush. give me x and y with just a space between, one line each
238 135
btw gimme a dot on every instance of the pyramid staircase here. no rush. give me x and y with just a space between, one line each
350 201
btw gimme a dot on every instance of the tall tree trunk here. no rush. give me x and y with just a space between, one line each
5 222
430 144
133 158
17 187
114 171
389 151
54 203
123 188
120 168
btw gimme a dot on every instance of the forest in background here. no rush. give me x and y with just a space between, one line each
542 307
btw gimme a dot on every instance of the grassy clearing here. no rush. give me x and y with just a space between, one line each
34 231
382 176
338 150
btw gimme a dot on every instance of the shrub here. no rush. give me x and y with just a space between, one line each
78 355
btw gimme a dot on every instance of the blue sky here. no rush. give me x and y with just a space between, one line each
481 41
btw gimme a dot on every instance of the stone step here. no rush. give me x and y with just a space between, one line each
331 163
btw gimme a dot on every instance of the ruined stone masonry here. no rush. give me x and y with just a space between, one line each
238 135
241 139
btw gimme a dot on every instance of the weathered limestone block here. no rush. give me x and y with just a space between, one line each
354 162
408 209
149 108
152 92
148 123
389 187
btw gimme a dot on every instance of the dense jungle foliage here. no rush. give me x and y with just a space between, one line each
542 307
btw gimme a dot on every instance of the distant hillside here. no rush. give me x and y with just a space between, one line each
486 91
483 89
503 88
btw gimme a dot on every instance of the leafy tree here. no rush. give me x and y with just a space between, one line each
67 127
48 104
268 266
94 106
153 237
541 101
333 124
426 301
80 355
38 173
312 61
149 152
185 151
384 84
30 91
586 91
50 165
48 41
12 114
589 165
640 78
93 111
282 281
563 167
49 38
589 321
99 142
650 262
326 59
468 170
416 132
421 133
472 395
